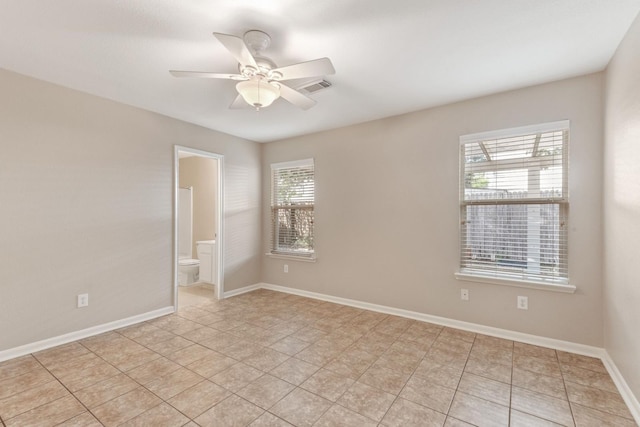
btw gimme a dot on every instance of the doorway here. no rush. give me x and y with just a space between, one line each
198 225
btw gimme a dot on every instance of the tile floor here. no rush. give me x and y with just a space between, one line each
272 359
195 294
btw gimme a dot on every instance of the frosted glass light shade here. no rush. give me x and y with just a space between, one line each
258 93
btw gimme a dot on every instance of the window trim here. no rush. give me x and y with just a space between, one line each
469 274
550 285
521 130
285 254
288 256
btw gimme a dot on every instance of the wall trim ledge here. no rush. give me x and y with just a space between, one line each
83 333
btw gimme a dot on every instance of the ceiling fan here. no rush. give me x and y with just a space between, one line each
260 80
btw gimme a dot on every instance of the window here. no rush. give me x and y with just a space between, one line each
292 202
514 204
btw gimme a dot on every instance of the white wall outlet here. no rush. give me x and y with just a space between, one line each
464 294
523 303
83 300
286 268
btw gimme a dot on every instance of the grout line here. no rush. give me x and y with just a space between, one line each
463 370
398 395
121 373
513 365
66 388
566 392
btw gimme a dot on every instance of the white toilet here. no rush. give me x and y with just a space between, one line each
188 271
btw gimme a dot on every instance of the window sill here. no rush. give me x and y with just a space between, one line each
292 257
545 286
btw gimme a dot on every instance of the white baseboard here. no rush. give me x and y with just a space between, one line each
84 333
629 398
242 290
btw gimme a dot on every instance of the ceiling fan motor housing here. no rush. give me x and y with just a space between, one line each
257 40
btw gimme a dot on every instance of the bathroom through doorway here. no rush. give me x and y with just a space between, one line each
198 226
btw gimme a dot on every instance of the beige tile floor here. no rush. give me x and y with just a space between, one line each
272 359
195 295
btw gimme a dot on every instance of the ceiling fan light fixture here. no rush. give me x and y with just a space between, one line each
258 93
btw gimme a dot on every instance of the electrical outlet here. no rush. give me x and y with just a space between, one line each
83 300
286 268
464 294
523 303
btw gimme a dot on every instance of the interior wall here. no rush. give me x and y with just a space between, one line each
201 173
387 212
622 208
86 188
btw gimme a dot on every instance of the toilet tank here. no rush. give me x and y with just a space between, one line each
207 255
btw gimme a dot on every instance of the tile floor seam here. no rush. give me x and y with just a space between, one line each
154 407
411 376
40 406
65 387
389 408
571 404
21 391
566 392
544 392
545 418
101 358
395 398
125 373
597 409
171 405
457 389
458 419
280 418
337 402
345 407
323 412
118 331
535 391
585 385
150 349
482 398
513 363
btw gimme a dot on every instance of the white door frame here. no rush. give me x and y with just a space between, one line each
219 218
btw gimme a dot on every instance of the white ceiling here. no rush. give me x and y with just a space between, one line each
391 57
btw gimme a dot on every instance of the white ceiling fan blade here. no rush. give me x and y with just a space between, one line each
237 48
316 67
206 75
296 98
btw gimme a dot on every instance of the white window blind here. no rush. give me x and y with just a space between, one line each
292 204
514 203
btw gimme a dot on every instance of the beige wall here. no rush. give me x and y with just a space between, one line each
201 173
86 190
386 226
622 209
